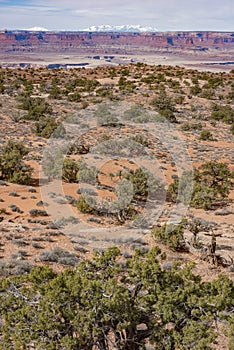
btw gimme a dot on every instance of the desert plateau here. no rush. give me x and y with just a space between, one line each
116 190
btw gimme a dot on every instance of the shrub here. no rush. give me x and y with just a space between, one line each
171 235
12 167
141 139
86 204
74 97
191 126
136 301
70 170
61 222
86 174
20 242
32 190
126 85
232 128
137 114
165 106
37 245
15 209
42 204
203 197
105 92
52 164
143 183
59 255
80 249
86 190
21 177
14 267
216 176
45 127
14 194
169 115
55 92
206 135
37 212
195 90
211 182
106 118
37 107
208 94
162 102
223 113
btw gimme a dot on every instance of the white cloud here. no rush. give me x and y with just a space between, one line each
166 15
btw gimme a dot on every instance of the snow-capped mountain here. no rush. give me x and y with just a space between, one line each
121 28
106 28
37 29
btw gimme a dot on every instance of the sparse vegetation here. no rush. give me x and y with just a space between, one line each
138 296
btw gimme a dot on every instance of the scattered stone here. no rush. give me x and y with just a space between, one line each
94 219
231 268
15 209
167 266
32 190
3 183
80 249
88 191
37 212
52 195
42 204
14 194
60 200
223 211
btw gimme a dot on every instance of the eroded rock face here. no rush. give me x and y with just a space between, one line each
116 42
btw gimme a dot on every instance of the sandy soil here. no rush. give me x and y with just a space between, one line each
197 61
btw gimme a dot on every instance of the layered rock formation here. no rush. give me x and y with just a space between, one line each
127 43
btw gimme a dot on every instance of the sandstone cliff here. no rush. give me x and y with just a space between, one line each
22 41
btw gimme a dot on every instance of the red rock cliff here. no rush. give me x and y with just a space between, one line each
113 42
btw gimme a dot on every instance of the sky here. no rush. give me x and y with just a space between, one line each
165 15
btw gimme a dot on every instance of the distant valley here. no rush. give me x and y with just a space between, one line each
91 48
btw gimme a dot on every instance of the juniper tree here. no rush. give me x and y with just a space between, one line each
104 304
12 166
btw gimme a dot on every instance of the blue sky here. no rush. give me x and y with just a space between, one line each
76 14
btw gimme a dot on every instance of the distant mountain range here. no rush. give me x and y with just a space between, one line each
121 28
37 29
126 28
